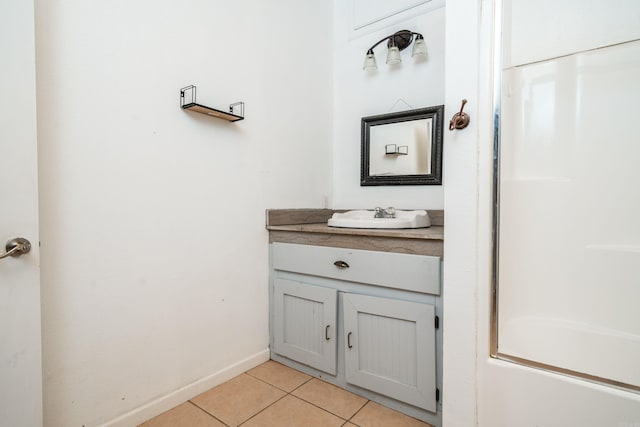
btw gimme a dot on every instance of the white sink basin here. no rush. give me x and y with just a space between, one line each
365 219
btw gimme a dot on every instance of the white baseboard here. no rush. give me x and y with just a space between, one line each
158 406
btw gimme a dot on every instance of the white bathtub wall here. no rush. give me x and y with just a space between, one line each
568 245
549 29
566 251
358 94
479 390
154 252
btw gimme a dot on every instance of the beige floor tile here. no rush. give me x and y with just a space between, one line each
278 375
349 425
374 415
185 415
238 399
331 398
293 412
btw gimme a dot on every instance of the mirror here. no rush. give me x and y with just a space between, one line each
403 148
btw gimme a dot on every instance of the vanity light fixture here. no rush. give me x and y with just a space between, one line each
397 42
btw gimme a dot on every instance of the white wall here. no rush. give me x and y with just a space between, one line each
154 252
461 275
358 94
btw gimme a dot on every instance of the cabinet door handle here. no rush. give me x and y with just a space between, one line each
326 333
349 340
341 264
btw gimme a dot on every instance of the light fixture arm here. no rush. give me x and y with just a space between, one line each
401 39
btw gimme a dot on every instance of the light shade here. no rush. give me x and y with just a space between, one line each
419 48
369 62
393 57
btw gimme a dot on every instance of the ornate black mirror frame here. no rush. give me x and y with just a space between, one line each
436 113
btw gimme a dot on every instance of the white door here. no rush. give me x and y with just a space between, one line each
20 348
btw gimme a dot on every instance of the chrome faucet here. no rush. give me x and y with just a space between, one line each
384 213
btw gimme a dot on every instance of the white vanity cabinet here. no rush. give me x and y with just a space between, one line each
366 318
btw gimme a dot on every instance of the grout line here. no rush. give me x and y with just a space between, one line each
325 409
275 386
358 411
262 410
266 382
296 397
287 393
208 413
306 401
319 407
301 384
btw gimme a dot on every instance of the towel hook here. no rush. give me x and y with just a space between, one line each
459 120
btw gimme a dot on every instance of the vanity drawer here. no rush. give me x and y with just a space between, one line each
418 273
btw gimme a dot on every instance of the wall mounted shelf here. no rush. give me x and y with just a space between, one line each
396 150
235 113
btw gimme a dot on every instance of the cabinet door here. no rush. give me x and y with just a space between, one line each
390 348
305 324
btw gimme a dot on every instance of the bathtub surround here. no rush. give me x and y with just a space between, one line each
481 390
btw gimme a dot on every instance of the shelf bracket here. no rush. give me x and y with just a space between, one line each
188 102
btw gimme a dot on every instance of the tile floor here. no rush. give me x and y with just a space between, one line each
275 395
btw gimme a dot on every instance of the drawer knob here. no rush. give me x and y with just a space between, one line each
341 264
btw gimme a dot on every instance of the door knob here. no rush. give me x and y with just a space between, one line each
16 247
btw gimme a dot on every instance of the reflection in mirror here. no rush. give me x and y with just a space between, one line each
403 148
386 157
